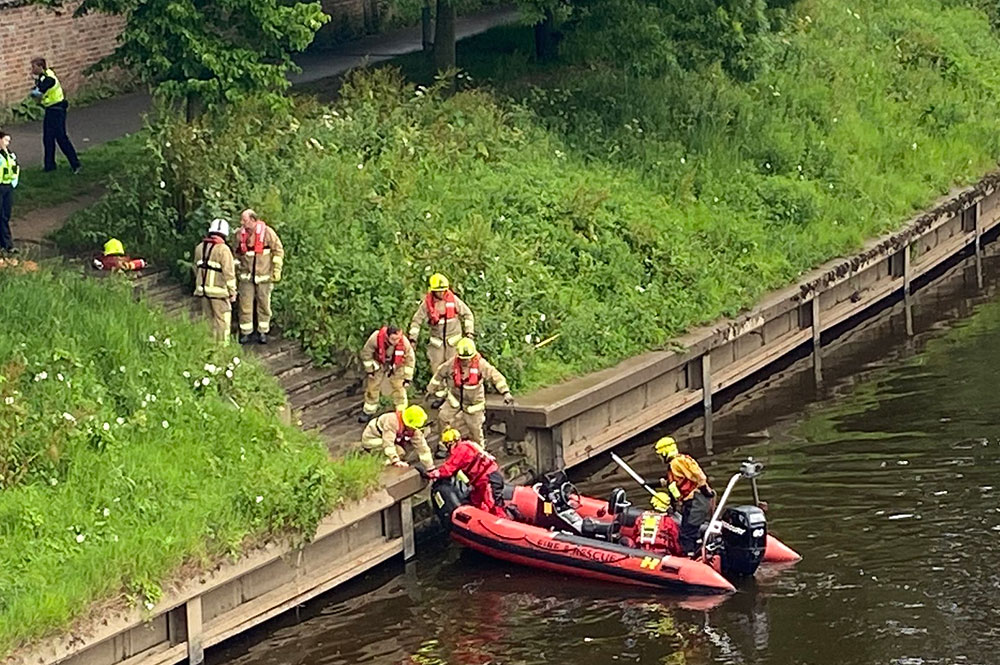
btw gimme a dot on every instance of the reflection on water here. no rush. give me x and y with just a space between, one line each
888 486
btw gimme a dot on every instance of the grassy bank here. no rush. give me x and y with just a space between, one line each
130 446
612 204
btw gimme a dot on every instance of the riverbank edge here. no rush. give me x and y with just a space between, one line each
562 426
566 424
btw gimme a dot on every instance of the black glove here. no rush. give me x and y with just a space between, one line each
436 404
706 491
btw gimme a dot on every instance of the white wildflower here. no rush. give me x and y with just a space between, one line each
914 146
120 420
165 424
236 360
166 342
41 376
106 512
121 368
80 537
229 373
152 339
541 316
53 482
186 374
210 368
205 381
60 377
149 605
527 338
163 185
640 288
143 404
361 166
8 400
259 499
683 161
106 427
68 417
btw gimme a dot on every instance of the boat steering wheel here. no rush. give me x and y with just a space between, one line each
571 494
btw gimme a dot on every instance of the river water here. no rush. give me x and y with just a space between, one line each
884 475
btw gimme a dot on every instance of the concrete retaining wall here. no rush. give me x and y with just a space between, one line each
569 423
213 606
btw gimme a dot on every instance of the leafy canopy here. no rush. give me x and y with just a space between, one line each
211 51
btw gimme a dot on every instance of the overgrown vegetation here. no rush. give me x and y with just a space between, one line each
612 203
128 446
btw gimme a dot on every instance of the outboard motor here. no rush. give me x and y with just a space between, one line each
744 538
447 494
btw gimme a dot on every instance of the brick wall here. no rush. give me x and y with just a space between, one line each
70 45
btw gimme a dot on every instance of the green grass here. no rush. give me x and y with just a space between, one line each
579 200
38 189
116 468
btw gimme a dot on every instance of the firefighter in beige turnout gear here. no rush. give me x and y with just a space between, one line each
396 433
448 318
261 257
388 357
215 279
463 383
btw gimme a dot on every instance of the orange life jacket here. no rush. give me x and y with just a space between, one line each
398 355
449 307
259 231
684 484
456 372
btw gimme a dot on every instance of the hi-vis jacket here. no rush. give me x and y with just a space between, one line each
390 430
379 354
465 383
260 253
214 269
447 317
686 475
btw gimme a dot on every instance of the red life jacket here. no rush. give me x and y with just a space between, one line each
214 239
404 435
482 464
449 307
398 355
456 372
258 238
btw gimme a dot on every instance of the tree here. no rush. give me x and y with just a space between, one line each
203 53
444 35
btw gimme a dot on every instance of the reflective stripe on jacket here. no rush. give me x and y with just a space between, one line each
390 431
214 269
53 95
261 254
9 170
464 394
446 325
374 355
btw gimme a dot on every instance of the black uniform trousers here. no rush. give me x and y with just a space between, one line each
53 132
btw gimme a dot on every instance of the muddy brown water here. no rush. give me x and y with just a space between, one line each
884 475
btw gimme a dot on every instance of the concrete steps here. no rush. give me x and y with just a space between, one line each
325 400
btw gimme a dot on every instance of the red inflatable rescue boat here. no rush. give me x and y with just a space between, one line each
552 527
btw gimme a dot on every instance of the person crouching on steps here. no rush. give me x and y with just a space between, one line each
397 433
387 356
115 260
261 257
215 279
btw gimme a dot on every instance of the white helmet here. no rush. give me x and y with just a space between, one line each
219 226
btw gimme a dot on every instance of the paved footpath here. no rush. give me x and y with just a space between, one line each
112 118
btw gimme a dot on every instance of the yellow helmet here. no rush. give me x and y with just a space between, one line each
450 435
666 447
465 348
114 246
414 416
438 282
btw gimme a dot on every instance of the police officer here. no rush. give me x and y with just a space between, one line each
9 172
50 95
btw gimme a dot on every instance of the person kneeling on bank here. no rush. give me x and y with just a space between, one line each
115 260
687 491
479 467
396 433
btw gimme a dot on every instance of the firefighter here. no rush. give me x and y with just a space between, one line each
396 433
215 279
115 260
49 94
479 467
388 356
448 318
261 257
687 491
462 383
